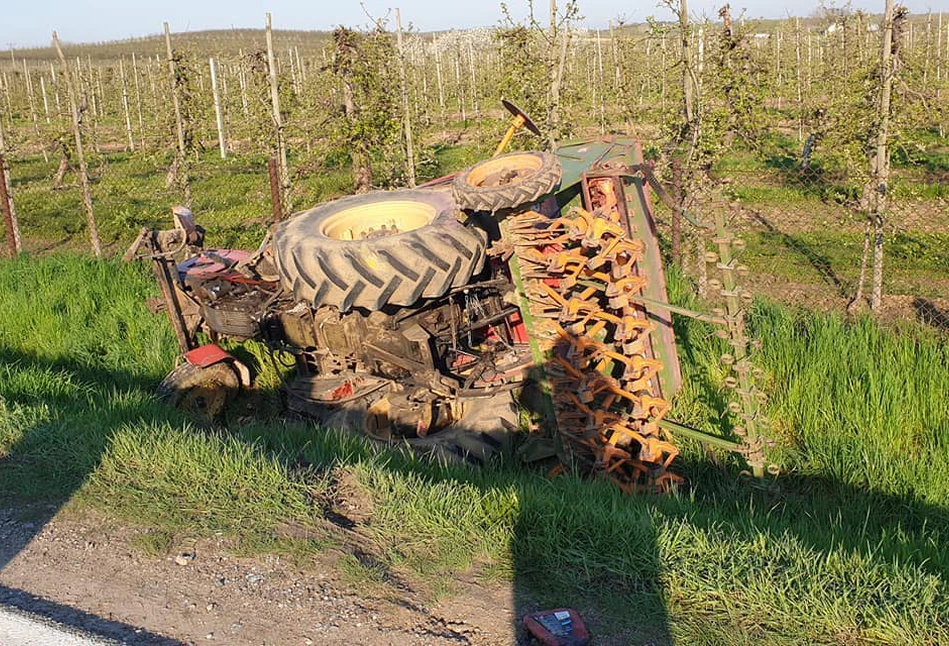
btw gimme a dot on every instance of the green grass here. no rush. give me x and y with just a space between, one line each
846 548
771 174
915 263
861 403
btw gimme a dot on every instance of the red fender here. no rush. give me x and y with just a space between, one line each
210 354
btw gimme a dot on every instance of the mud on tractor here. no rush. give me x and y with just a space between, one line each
527 287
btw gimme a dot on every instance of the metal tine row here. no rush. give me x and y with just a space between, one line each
579 277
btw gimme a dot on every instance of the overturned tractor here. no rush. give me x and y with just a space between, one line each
526 291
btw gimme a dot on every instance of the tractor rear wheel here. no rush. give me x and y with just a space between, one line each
378 249
507 181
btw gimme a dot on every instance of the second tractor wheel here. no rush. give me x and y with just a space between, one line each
202 392
507 181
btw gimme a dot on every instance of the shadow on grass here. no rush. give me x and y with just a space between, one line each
812 181
56 454
927 312
821 264
642 570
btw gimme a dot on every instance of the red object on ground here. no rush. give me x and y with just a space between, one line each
207 355
560 627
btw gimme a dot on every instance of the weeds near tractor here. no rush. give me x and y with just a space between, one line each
845 548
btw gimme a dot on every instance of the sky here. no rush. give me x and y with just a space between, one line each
30 24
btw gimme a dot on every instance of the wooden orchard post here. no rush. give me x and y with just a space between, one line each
45 98
125 106
29 96
277 119
5 202
474 78
242 81
217 110
52 80
274 174
138 100
80 154
438 75
12 225
181 173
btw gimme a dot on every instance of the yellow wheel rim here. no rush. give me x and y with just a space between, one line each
505 170
386 218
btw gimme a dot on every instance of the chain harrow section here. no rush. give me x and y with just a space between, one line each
579 273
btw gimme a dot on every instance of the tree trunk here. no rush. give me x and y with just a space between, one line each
362 171
880 164
676 213
179 166
63 167
218 117
80 155
553 121
861 281
406 117
278 119
688 89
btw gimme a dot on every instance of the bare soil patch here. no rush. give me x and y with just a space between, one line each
89 563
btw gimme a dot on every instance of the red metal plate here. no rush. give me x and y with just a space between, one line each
207 355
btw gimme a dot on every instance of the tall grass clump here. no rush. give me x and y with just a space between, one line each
861 404
88 313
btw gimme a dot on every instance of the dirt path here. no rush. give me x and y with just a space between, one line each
89 565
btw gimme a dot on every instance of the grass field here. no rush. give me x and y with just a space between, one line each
845 548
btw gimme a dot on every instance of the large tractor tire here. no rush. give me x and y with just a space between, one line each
507 182
378 249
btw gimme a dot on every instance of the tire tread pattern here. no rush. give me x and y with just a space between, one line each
508 196
376 272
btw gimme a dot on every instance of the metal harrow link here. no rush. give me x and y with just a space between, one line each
579 273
